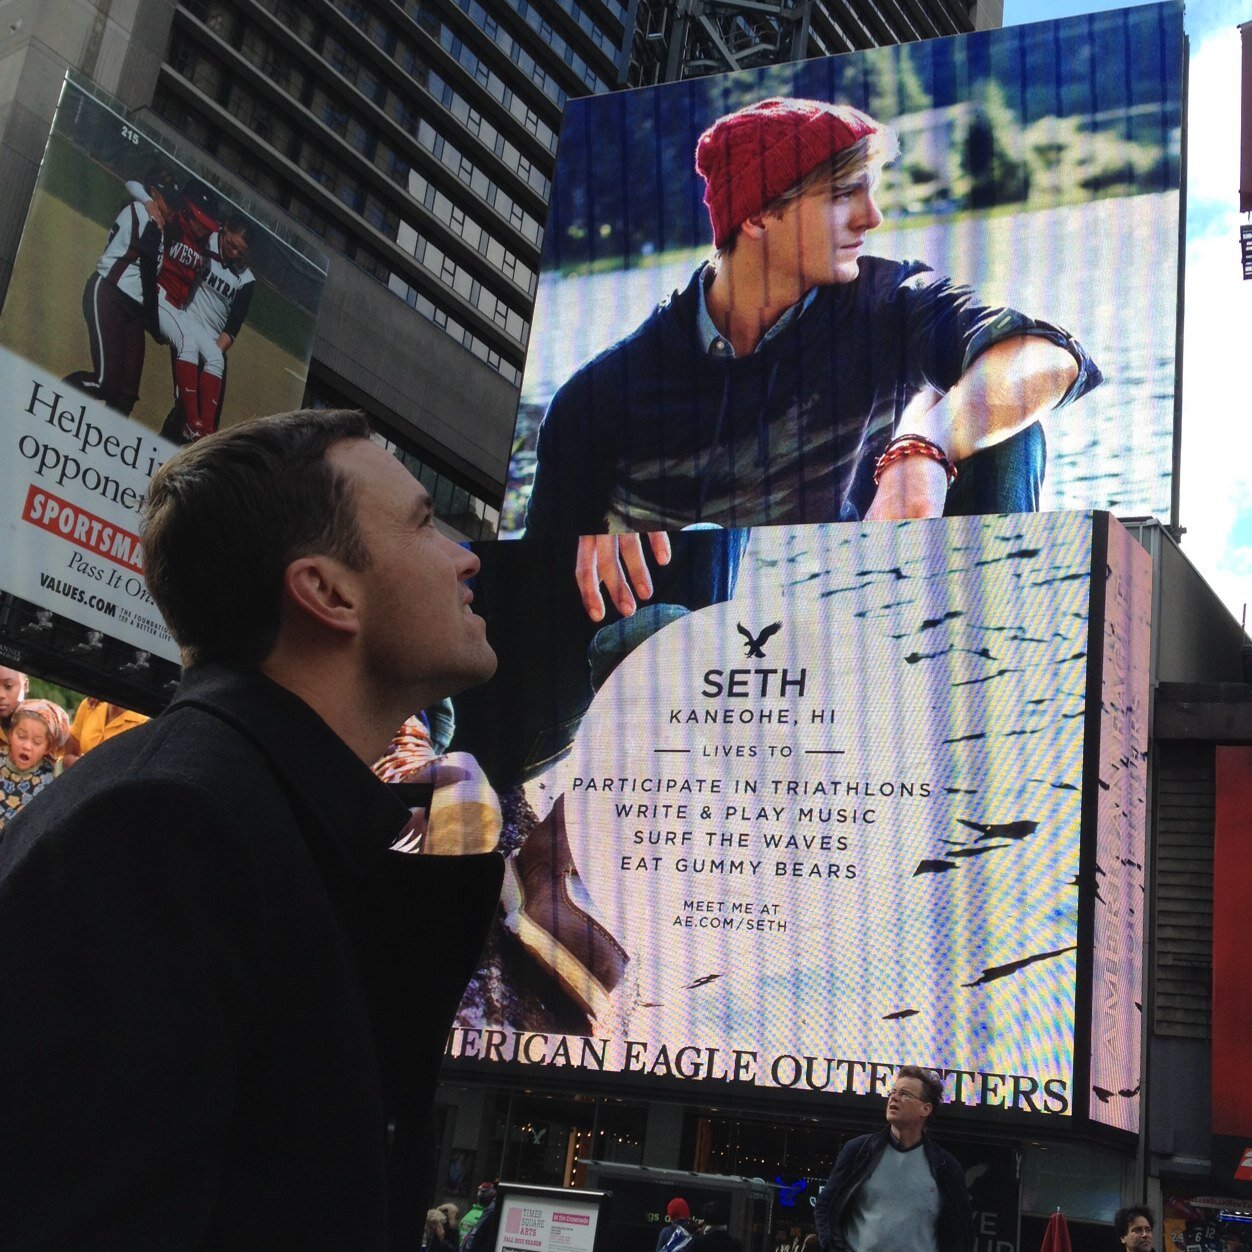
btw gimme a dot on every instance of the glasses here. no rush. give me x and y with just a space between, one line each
900 1094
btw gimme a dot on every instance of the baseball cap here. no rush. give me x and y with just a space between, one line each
158 178
677 1210
201 203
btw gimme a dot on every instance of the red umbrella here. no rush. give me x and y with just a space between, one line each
1056 1237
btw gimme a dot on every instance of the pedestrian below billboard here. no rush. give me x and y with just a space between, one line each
225 995
715 1234
675 1234
897 1188
1134 1226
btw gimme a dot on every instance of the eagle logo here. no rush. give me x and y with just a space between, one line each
754 644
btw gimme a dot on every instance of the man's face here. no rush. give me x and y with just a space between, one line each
418 633
819 237
907 1108
1138 1236
12 691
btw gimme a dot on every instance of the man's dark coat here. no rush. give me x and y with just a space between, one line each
224 1000
954 1231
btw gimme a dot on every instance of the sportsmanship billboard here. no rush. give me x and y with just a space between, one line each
145 308
972 239
840 798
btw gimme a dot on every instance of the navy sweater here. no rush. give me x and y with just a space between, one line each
655 434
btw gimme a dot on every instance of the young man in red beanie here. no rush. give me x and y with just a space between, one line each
796 379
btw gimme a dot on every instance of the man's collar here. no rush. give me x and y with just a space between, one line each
323 777
712 342
899 1147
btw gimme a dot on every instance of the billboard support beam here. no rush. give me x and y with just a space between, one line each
697 37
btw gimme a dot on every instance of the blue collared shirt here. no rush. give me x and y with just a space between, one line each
714 342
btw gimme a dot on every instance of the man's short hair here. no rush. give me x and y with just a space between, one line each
932 1088
1123 1217
715 1213
225 517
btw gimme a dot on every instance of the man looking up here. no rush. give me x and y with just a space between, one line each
225 995
1133 1226
796 379
897 1189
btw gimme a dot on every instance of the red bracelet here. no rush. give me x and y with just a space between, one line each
913 445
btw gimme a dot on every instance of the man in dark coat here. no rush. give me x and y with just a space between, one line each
716 1236
225 996
897 1188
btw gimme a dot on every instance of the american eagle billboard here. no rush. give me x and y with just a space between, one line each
841 798
753 283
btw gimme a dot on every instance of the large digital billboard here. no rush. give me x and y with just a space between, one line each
1117 865
146 308
827 805
971 239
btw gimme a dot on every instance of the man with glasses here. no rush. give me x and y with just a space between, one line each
898 1189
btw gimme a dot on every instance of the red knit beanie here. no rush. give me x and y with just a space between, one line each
749 158
676 1210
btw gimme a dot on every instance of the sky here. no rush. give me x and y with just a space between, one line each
1216 468
1019 12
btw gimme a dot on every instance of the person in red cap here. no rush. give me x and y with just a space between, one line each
185 260
796 378
676 1233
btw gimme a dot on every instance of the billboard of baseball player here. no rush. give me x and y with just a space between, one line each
141 289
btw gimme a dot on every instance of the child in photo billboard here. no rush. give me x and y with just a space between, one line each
795 379
119 299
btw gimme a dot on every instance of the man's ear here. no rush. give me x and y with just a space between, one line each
324 591
754 226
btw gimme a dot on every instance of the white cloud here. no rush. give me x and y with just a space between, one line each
1216 473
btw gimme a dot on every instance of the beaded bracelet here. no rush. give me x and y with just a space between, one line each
913 445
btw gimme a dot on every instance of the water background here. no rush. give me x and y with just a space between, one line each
1105 271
